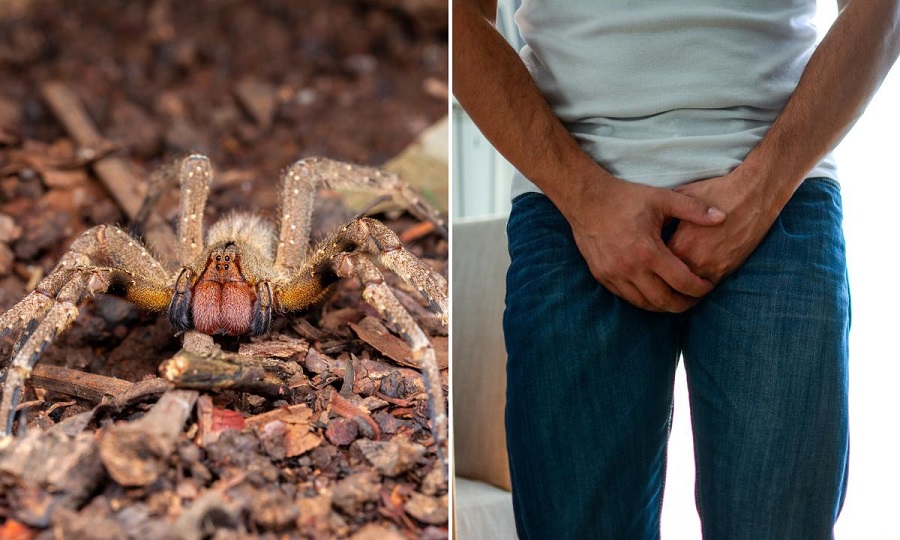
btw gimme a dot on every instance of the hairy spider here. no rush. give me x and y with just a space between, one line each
242 273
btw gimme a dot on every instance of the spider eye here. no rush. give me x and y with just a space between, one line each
226 266
227 258
218 257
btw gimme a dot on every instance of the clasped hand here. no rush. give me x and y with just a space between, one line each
618 226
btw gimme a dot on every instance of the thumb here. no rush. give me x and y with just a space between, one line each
690 209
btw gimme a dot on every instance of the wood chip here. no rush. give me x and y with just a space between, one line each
416 232
375 334
297 436
212 421
341 431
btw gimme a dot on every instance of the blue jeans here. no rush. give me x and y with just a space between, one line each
590 384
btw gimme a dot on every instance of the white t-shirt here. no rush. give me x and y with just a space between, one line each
666 92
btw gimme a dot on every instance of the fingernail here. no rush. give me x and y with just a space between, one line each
715 213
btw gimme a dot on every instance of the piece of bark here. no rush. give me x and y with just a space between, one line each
390 458
307 330
287 428
416 232
272 510
212 421
435 481
375 334
136 453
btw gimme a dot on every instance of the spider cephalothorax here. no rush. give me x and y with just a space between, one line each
233 281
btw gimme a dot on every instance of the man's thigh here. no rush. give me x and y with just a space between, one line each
766 359
589 390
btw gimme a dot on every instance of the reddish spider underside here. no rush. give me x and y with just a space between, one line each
222 300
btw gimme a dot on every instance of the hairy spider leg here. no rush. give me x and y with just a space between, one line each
196 176
302 180
378 295
103 259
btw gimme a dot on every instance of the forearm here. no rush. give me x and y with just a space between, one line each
841 77
497 91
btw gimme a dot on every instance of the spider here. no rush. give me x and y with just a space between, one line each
233 282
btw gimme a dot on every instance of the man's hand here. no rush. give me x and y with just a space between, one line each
618 229
715 252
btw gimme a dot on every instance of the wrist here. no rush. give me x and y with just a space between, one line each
581 181
772 181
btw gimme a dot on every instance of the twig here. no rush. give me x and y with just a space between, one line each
221 371
78 383
112 170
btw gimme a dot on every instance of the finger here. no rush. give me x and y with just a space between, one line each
689 209
677 274
628 292
660 296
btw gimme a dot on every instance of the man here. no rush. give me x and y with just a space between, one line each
676 197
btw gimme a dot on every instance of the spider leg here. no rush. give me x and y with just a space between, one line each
50 323
304 178
262 309
103 259
375 238
311 283
379 295
195 176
